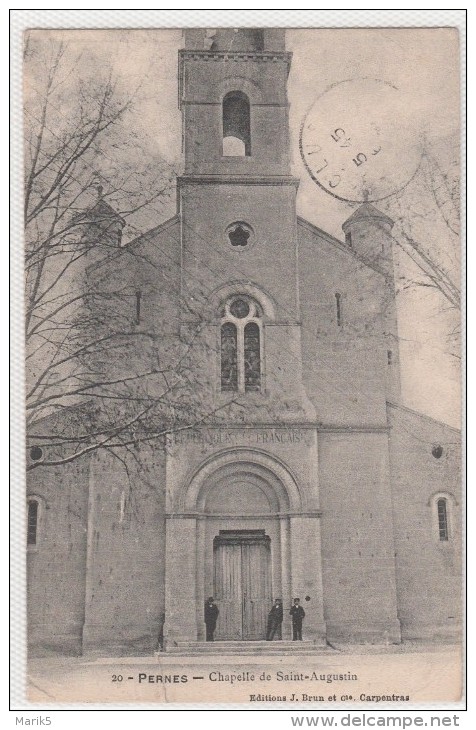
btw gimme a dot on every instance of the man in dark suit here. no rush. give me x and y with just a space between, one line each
297 615
275 619
211 616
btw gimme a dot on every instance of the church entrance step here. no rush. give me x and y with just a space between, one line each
187 648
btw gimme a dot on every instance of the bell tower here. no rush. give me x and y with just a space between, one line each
237 198
232 92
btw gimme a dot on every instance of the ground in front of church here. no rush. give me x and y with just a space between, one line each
350 676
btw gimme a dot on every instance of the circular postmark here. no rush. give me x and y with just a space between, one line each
359 141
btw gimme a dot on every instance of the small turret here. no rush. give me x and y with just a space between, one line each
368 233
102 224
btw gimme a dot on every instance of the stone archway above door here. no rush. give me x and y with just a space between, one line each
242 465
242 494
282 565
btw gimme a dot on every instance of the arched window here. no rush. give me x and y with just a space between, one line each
229 357
443 505
241 344
251 348
236 125
33 516
442 513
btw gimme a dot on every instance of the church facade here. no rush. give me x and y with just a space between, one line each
316 482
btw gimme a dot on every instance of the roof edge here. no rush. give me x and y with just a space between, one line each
338 244
398 406
117 252
56 414
162 226
367 211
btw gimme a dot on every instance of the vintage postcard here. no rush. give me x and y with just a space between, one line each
242 266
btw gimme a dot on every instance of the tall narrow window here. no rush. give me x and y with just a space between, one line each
442 519
229 364
32 524
241 345
389 357
138 303
236 125
338 309
252 357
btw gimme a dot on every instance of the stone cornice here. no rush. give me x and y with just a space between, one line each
221 56
256 516
237 180
277 104
204 55
308 425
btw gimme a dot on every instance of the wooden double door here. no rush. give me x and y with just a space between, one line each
242 584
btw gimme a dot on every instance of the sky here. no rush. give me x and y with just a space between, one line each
422 65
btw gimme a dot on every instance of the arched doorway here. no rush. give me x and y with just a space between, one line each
239 529
241 555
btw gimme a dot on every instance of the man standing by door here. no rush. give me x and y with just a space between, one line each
297 615
211 616
275 619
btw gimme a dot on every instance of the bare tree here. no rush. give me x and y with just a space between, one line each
96 377
438 261
427 224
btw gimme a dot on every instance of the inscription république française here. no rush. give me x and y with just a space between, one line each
235 437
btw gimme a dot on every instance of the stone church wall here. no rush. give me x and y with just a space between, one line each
269 261
126 549
57 564
428 569
344 364
150 265
97 574
358 564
